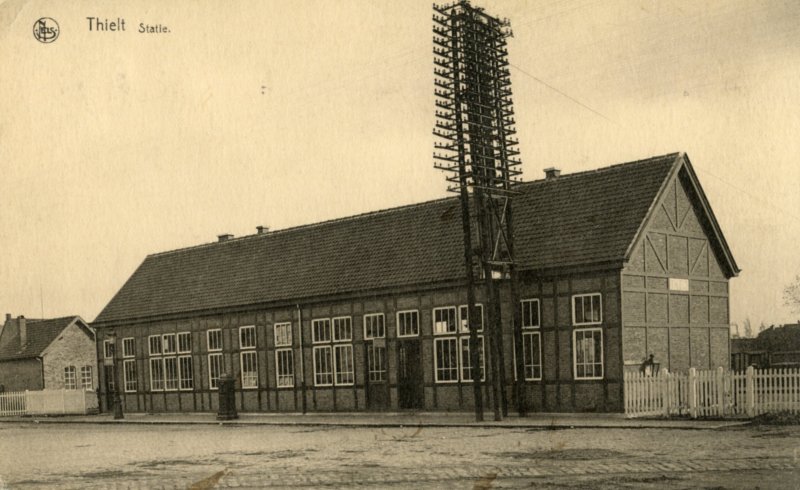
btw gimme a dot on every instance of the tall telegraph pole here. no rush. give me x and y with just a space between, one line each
475 128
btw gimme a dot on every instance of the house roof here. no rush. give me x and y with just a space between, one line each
583 218
41 334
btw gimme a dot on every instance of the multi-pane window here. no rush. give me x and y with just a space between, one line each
588 353
284 356
214 346
407 323
283 335
284 368
374 328
108 349
333 363
444 320
169 371
463 316
70 378
587 309
128 347
531 340
247 356
451 348
86 377
530 313
129 374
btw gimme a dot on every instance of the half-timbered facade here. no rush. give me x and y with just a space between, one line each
368 312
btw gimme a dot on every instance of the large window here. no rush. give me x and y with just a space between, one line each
247 356
333 351
375 331
70 378
86 377
169 371
451 349
588 353
214 347
408 323
284 356
587 309
531 340
129 381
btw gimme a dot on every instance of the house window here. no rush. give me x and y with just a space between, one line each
587 309
284 368
170 374
214 370
283 334
530 313
333 363
86 377
214 340
284 358
214 345
451 347
532 355
463 315
155 345
407 323
374 328
129 375
444 320
185 373
108 349
156 374
128 347
184 342
169 343
588 353
70 378
247 356
677 284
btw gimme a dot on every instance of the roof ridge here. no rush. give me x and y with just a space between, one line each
401 208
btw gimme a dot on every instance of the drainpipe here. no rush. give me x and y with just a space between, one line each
302 357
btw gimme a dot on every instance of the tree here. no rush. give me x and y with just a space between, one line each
791 295
748 329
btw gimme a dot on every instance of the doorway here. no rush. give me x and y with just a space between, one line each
409 375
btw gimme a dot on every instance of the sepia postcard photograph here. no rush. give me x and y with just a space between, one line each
473 244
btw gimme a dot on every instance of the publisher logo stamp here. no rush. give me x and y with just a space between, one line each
46 30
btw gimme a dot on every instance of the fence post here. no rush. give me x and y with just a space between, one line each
750 392
693 392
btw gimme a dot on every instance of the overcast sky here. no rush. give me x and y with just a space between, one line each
114 145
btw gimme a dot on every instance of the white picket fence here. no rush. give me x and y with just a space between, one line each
48 402
713 393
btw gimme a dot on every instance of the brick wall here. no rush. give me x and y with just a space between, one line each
72 348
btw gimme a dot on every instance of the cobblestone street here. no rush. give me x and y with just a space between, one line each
208 456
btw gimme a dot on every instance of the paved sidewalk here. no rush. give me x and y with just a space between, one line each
390 419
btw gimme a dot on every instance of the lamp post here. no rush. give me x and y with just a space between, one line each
112 337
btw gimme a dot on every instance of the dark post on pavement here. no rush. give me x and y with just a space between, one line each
227 398
112 337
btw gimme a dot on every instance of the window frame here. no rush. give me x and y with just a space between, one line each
167 339
129 385
318 373
288 363
150 339
372 336
335 329
454 317
108 349
213 382
180 336
328 327
280 341
83 384
217 333
462 328
157 361
461 365
182 380
70 378
531 301
575 354
413 314
582 296
126 353
253 375
244 335
531 333
456 368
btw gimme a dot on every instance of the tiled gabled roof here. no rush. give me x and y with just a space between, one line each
583 218
41 334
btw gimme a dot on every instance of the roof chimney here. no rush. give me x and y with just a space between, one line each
262 229
224 237
552 173
23 331
8 317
